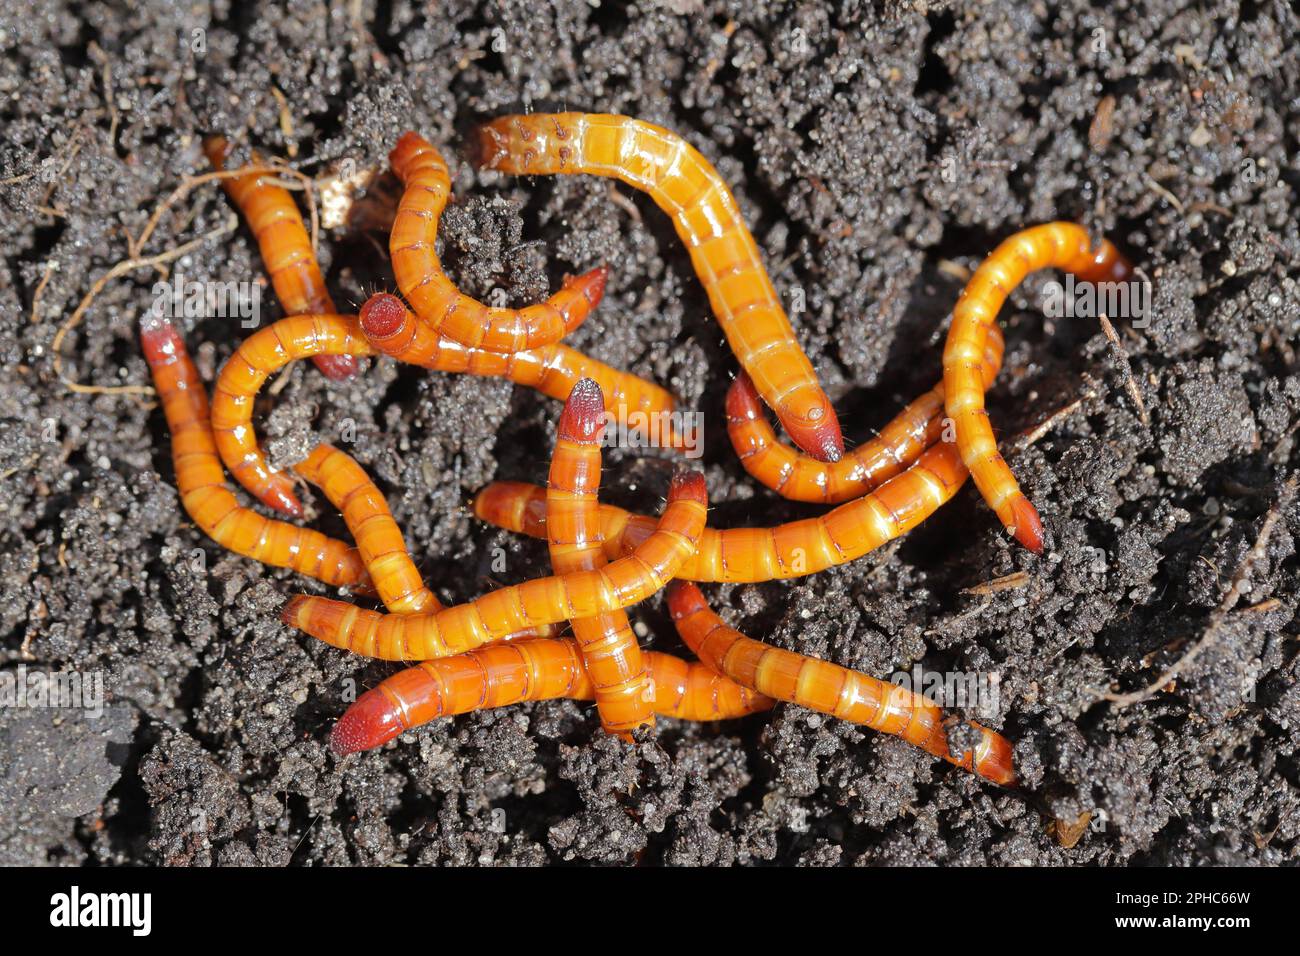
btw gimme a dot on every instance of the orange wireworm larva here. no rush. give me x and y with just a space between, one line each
784 551
263 352
286 248
502 674
687 187
380 564
552 369
509 610
435 300
1061 245
201 481
800 477
379 541
830 689
393 574
610 651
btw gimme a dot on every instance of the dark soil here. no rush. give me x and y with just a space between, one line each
835 125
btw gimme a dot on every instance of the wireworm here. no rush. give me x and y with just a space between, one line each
201 482
379 565
553 370
285 246
830 689
784 551
436 300
265 351
1061 245
726 258
508 610
610 651
800 477
379 541
502 674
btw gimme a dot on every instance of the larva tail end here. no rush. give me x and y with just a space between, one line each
1028 527
487 147
336 367
591 284
822 439
688 485
292 612
996 765
382 316
370 722
321 618
684 599
583 418
743 403
1108 265
408 140
483 505
1121 270
303 612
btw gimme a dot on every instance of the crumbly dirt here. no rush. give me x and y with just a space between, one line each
872 146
